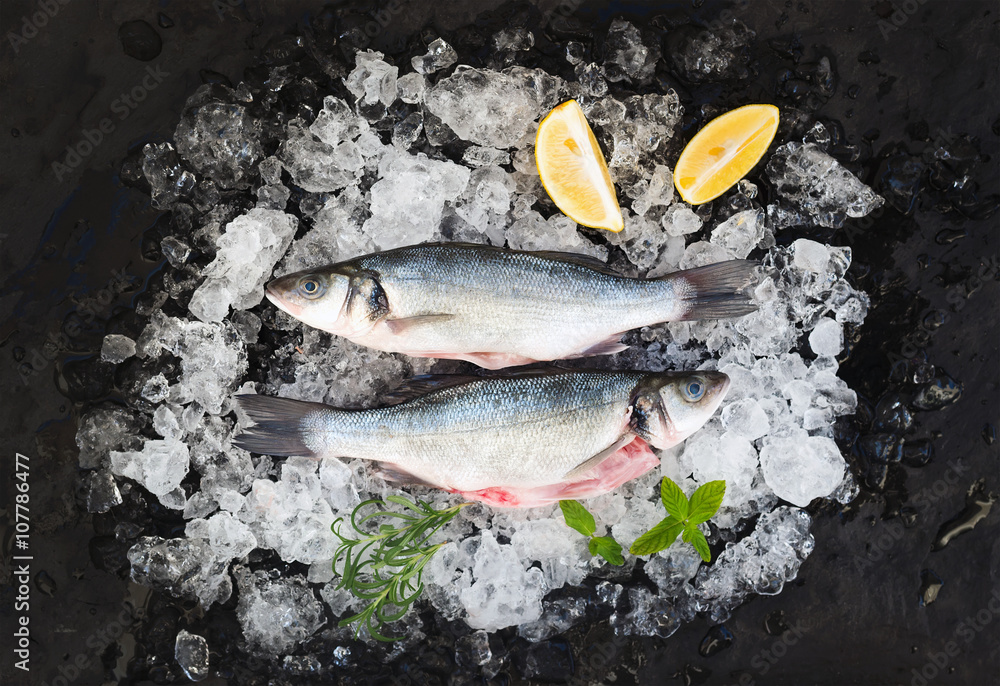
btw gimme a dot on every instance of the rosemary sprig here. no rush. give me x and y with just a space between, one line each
385 567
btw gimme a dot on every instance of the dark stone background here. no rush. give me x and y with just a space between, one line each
856 601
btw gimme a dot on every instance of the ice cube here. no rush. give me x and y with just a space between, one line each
440 55
513 40
760 563
406 132
532 232
276 614
557 617
373 80
411 88
229 537
642 240
659 191
699 54
247 252
680 220
169 181
175 250
704 253
489 108
672 568
103 429
473 650
182 567
101 491
745 418
814 183
626 57
810 256
160 466
117 348
827 338
741 233
799 467
650 616
503 593
407 201
191 653
563 559
219 137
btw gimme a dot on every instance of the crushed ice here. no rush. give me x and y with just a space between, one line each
372 180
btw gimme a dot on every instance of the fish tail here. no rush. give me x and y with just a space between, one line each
715 291
280 425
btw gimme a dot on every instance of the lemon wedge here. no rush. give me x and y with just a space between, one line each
573 170
724 151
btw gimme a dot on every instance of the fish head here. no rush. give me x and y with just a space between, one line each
670 407
316 297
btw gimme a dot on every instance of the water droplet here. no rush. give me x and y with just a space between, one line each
948 236
45 583
924 373
978 504
694 676
989 434
774 623
140 40
716 640
917 453
930 586
937 393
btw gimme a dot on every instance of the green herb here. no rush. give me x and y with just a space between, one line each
683 518
385 567
578 518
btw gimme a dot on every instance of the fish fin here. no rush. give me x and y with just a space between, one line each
628 462
418 386
403 324
609 346
571 257
395 473
496 360
484 360
277 426
600 457
715 291
588 261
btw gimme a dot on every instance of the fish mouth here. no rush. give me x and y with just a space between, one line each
720 387
272 293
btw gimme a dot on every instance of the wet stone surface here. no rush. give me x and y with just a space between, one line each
883 355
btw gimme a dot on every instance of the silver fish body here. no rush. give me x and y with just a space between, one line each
497 307
524 440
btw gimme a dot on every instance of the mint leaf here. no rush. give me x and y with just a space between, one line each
577 517
674 499
706 501
697 539
608 548
660 537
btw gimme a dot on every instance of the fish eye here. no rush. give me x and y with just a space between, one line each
310 287
694 391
